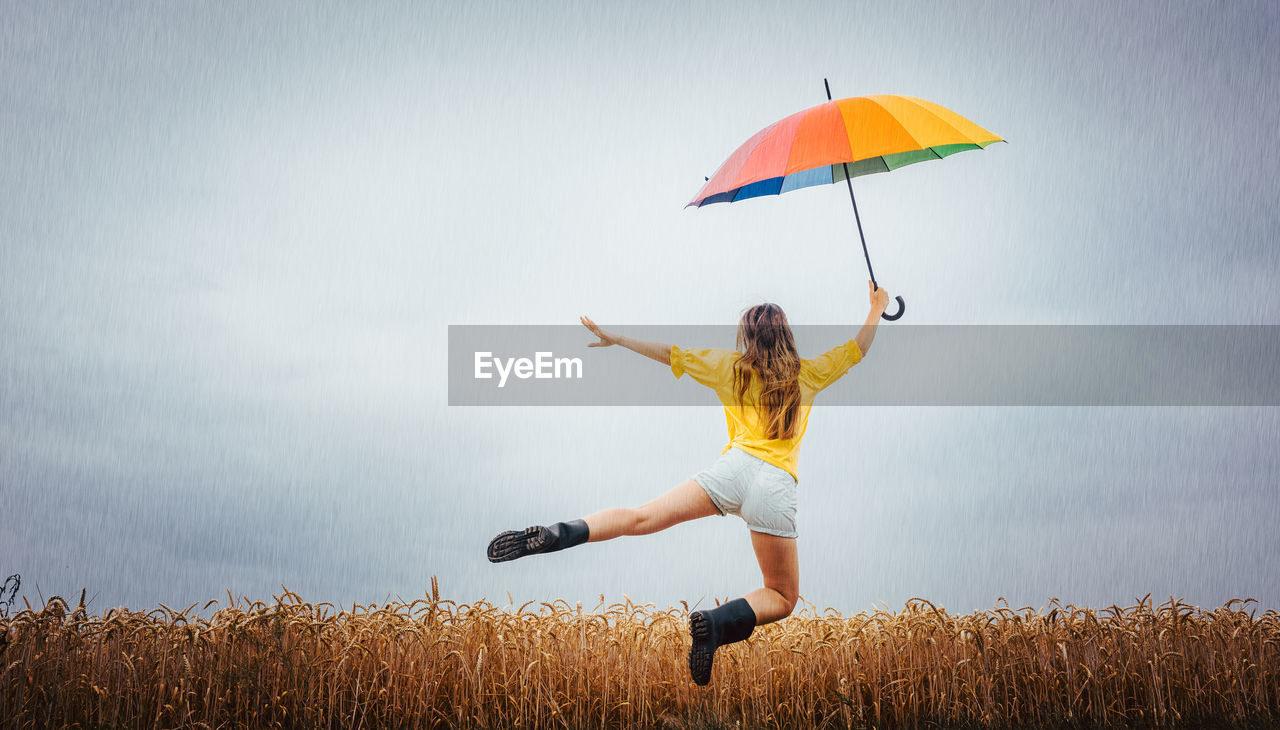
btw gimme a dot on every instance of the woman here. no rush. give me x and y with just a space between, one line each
767 391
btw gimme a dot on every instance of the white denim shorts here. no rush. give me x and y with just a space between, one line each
763 495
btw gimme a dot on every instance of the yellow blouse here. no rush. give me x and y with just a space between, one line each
714 369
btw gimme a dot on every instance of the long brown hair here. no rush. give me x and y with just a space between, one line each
769 353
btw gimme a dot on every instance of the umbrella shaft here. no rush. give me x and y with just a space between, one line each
849 182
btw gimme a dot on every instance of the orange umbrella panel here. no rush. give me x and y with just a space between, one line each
862 134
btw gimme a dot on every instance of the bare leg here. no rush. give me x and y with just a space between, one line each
735 620
780 566
687 501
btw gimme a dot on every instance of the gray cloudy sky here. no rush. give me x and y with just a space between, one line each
234 234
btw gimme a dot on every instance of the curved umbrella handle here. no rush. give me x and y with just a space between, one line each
902 309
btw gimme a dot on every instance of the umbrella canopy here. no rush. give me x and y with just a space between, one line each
855 136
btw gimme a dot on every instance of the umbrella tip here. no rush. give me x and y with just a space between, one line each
706 179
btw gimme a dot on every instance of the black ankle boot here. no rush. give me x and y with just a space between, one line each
725 624
537 539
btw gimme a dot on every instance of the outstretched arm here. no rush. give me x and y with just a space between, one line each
879 302
652 350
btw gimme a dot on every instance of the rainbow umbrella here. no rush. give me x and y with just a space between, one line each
841 140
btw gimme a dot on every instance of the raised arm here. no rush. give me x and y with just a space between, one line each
879 302
652 350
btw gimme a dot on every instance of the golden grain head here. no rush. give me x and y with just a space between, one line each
433 660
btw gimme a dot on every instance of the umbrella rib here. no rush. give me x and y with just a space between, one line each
790 144
787 156
901 126
747 155
930 112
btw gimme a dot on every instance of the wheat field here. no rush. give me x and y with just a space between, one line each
436 663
